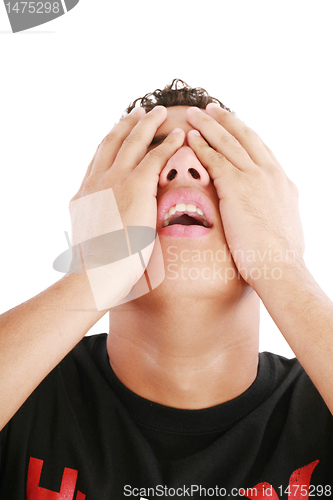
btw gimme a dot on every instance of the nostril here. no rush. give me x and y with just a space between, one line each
172 174
195 174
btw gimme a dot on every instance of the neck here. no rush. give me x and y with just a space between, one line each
193 354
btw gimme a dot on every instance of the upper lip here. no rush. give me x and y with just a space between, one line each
183 195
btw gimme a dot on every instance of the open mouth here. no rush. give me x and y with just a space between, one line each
185 215
187 220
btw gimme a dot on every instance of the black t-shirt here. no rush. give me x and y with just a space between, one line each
82 435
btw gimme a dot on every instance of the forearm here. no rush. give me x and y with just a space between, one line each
259 210
36 335
304 315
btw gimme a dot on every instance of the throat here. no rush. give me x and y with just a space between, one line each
182 348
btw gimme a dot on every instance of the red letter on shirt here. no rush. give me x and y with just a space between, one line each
36 492
301 477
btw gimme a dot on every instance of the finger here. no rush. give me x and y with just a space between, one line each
88 170
136 145
111 144
220 139
272 155
216 164
247 137
156 159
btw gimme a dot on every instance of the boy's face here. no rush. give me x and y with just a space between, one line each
196 255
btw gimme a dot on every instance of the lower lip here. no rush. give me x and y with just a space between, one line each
180 231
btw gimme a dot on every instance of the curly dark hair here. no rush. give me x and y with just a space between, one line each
177 93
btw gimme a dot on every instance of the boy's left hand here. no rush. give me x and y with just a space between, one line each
258 203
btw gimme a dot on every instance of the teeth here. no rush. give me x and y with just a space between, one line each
180 207
191 208
183 207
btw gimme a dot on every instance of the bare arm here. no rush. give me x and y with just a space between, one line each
36 335
259 211
304 315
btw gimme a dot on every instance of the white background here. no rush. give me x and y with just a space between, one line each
64 84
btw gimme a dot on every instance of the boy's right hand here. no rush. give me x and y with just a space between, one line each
119 190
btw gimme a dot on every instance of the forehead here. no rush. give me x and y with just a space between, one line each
176 118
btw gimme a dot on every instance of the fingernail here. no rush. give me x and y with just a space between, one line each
213 105
195 132
136 110
176 131
196 109
158 107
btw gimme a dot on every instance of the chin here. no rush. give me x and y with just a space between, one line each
183 269
184 285
204 281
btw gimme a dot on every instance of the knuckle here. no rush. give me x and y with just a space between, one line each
259 177
167 146
229 140
132 139
92 184
108 138
212 155
248 131
157 153
276 173
88 187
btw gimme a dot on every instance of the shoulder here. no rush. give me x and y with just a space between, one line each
73 380
292 388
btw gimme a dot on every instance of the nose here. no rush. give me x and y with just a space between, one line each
184 169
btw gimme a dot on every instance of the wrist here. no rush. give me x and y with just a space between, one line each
270 277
